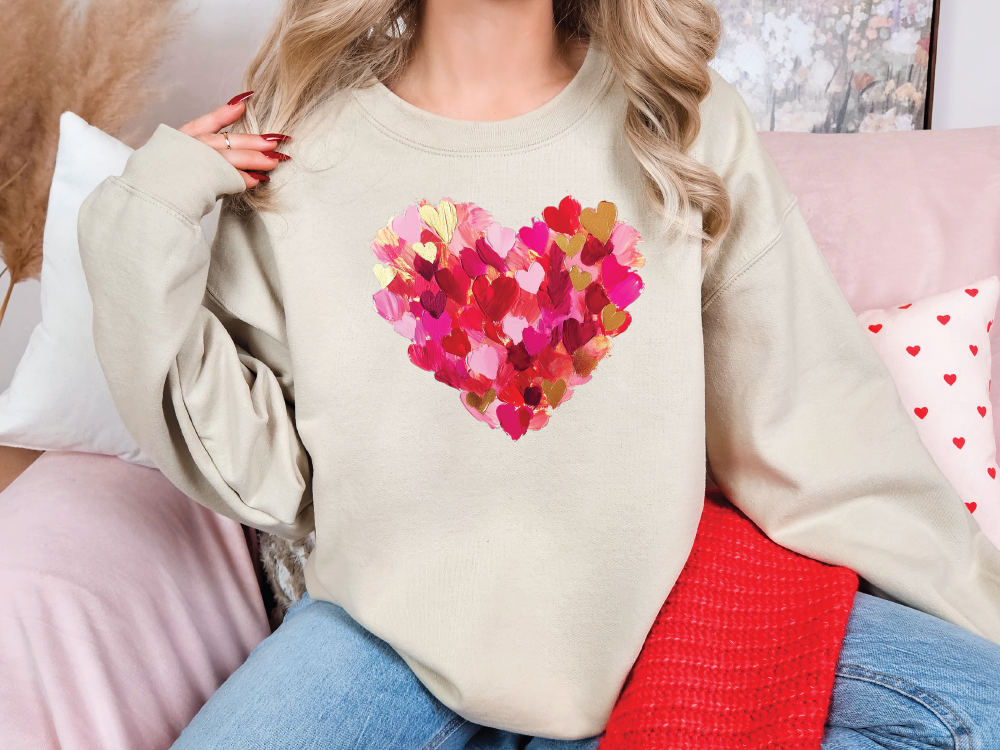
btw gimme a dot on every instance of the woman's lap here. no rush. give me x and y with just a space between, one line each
904 680
322 680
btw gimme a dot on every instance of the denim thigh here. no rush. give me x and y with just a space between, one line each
906 680
322 681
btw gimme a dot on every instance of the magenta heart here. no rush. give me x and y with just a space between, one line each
494 314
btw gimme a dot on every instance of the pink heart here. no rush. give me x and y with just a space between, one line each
496 314
500 238
484 360
407 226
536 236
531 279
513 420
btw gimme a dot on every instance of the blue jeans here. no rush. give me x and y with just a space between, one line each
904 680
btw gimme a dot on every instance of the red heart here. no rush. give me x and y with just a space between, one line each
992 472
943 319
875 328
913 351
972 507
988 326
565 219
974 349
903 307
981 410
959 442
920 411
514 353
972 292
950 379
495 299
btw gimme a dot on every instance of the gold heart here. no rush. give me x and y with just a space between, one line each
554 392
571 246
600 222
384 274
442 220
611 317
481 403
426 250
580 279
583 363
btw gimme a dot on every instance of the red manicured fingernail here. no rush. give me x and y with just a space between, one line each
259 176
240 97
276 156
278 137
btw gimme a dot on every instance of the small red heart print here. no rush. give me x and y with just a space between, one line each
913 351
959 442
920 411
974 349
981 410
875 328
950 379
988 325
992 472
972 507
972 292
903 307
943 319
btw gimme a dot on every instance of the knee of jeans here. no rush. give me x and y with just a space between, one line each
887 707
297 606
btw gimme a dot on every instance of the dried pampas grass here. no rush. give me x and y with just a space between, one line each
96 60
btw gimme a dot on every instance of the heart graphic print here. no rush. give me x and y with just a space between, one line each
513 320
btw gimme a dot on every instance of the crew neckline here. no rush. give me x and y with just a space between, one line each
418 127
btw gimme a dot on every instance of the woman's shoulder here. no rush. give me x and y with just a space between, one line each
727 127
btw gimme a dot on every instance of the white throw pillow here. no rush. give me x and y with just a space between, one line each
938 352
58 399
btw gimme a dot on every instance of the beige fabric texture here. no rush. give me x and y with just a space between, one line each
517 579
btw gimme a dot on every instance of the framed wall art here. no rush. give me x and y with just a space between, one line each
831 66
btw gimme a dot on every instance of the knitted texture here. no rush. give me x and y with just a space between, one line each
743 651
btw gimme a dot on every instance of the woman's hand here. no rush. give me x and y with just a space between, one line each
253 155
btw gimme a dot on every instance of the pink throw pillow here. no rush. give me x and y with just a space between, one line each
938 352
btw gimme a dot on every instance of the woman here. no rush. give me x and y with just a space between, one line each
531 180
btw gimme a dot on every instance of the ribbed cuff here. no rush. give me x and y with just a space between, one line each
182 172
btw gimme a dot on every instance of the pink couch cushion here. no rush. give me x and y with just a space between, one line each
123 606
900 216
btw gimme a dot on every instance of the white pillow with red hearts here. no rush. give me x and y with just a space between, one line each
938 352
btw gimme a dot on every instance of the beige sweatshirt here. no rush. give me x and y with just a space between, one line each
274 379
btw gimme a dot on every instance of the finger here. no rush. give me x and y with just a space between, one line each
238 141
215 120
252 178
247 160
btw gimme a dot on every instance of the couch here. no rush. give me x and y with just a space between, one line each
125 604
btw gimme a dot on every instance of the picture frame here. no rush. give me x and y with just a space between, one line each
832 66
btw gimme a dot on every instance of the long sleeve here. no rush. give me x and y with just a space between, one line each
805 430
191 338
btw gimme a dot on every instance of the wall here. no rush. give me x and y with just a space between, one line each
204 66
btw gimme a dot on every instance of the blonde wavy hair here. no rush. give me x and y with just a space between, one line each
659 51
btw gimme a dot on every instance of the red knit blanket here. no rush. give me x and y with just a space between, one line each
742 654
